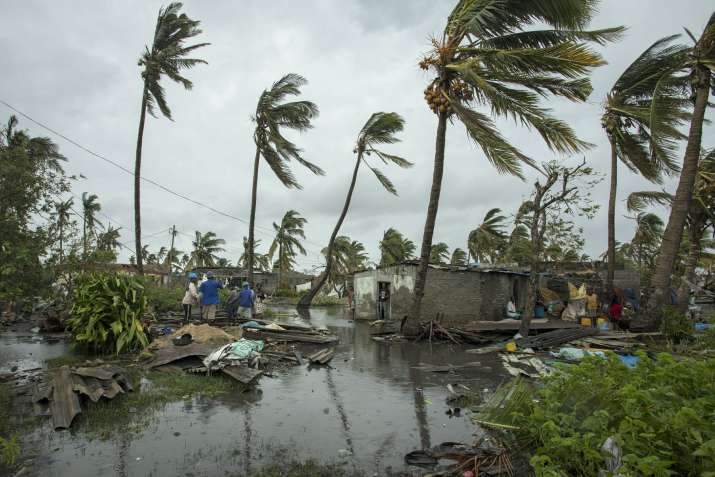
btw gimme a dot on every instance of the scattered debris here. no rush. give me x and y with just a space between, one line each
242 374
555 338
60 396
175 353
483 458
525 365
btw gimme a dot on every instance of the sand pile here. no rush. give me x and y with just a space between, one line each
201 334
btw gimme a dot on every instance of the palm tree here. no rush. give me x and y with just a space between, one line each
518 245
348 257
439 254
701 65
108 240
223 262
172 261
379 129
272 114
641 114
394 248
167 57
459 258
490 55
287 242
90 207
485 239
62 214
261 261
206 249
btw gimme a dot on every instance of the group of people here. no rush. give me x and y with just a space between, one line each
245 302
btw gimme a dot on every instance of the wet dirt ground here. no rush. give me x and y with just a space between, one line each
366 410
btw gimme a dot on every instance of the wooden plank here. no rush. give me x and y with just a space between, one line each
316 338
242 374
507 325
64 404
299 356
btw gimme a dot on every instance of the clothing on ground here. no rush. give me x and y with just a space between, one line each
209 292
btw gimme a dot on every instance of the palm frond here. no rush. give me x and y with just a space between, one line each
386 183
638 201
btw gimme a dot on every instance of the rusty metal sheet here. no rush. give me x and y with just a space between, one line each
64 404
174 353
242 374
104 372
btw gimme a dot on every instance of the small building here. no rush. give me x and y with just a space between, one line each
157 273
460 294
268 281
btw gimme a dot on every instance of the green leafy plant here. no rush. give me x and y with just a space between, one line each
660 414
107 311
9 451
162 299
675 326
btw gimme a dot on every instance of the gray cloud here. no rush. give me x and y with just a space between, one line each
73 66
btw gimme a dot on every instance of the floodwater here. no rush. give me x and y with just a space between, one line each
366 410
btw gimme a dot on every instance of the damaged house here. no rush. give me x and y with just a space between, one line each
268 281
463 294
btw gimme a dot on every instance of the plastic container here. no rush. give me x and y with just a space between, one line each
511 346
586 322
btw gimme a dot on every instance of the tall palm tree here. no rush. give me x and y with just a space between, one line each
395 248
166 57
287 242
641 115
379 129
172 259
459 257
261 261
206 249
701 66
490 54
62 214
483 241
348 257
90 207
272 115
108 240
439 254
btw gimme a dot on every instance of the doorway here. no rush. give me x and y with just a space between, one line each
383 300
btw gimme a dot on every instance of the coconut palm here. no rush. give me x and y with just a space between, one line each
492 53
439 254
379 129
172 259
348 257
206 249
484 241
223 262
62 211
701 66
459 257
168 56
518 245
90 207
287 242
395 248
641 115
108 241
261 261
273 114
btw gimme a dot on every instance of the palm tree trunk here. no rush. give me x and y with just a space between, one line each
414 318
280 263
611 254
84 239
252 223
137 185
61 241
683 196
306 300
691 263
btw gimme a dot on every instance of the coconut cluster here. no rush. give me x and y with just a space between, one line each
437 100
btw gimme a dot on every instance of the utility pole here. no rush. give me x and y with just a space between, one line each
169 255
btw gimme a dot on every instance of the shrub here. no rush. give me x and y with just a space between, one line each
107 311
676 327
9 451
661 414
163 299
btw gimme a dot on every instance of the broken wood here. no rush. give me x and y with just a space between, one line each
287 335
322 357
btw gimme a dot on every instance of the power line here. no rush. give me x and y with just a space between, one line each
130 172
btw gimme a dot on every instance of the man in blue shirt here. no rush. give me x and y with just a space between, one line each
209 296
246 300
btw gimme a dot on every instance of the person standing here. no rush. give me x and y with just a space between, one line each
191 296
260 305
232 304
246 300
592 306
209 297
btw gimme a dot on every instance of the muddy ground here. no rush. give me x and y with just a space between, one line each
361 414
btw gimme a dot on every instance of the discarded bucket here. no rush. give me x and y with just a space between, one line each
603 324
511 346
586 322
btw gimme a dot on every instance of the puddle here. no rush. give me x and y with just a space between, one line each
367 410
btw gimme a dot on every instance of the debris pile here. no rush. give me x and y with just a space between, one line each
484 458
60 396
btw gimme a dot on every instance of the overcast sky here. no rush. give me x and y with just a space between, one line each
73 66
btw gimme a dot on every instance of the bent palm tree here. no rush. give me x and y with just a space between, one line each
701 65
489 55
348 257
108 241
459 257
485 239
271 115
206 249
379 129
287 242
167 57
90 207
439 254
643 110
62 213
395 248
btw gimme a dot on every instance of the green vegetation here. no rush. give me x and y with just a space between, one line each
107 312
162 299
660 414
